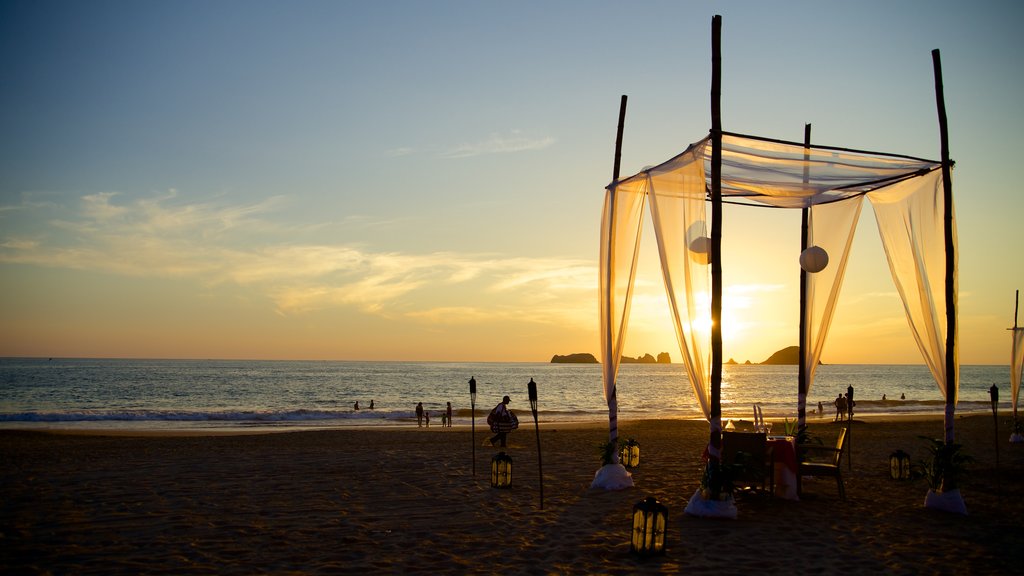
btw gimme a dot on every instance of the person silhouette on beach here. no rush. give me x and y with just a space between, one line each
903 396
426 418
449 414
419 414
356 405
502 421
883 397
840 408
821 409
371 403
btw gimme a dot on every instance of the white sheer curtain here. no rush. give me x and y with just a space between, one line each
620 243
678 211
831 226
910 221
1016 365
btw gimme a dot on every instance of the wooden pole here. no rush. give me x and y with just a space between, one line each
531 388
801 406
947 202
472 416
613 403
716 247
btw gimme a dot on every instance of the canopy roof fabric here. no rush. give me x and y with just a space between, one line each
789 175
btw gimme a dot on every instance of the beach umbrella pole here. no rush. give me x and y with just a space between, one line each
532 387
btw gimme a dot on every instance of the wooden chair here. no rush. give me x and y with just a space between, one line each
750 459
825 462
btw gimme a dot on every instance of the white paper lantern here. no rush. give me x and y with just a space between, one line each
700 249
814 259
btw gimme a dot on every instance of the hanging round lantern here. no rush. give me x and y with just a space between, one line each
629 454
700 249
501 471
650 518
899 465
814 259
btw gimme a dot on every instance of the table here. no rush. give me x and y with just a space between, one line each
784 454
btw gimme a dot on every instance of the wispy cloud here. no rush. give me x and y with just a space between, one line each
499 143
223 245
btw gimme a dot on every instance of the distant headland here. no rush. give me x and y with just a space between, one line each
789 355
587 358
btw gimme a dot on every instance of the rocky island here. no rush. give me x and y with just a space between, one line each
587 358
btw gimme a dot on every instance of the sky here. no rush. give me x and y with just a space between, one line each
423 181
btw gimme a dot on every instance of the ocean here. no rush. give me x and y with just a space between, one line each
40 393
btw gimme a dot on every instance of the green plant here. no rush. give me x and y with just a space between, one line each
946 466
717 481
607 452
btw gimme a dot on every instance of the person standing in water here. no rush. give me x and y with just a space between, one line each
419 414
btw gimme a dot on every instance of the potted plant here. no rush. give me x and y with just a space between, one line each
714 498
943 471
611 475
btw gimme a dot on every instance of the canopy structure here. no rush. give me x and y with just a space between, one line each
911 198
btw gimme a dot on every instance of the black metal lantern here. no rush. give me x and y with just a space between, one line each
501 471
899 465
629 454
650 518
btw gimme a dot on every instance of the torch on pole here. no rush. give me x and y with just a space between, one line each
994 393
532 387
849 427
472 415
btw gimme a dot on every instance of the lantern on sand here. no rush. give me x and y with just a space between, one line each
629 455
501 471
899 465
649 520
814 259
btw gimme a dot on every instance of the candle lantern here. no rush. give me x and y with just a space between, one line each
649 520
501 471
899 465
814 259
629 454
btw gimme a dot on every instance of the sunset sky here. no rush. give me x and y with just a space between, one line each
406 180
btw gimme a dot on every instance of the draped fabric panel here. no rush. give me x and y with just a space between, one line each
681 229
910 221
620 243
1016 365
832 227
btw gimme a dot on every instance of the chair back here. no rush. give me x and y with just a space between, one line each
751 443
840 446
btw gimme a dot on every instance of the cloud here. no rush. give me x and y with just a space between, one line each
223 245
511 142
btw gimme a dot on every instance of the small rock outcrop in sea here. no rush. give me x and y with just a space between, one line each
663 358
579 358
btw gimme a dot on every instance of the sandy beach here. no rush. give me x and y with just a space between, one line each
406 500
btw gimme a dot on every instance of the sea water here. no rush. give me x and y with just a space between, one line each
244 394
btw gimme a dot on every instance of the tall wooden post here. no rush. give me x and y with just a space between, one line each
801 378
613 404
947 201
716 246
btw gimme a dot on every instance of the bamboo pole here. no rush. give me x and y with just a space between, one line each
801 407
716 246
947 202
